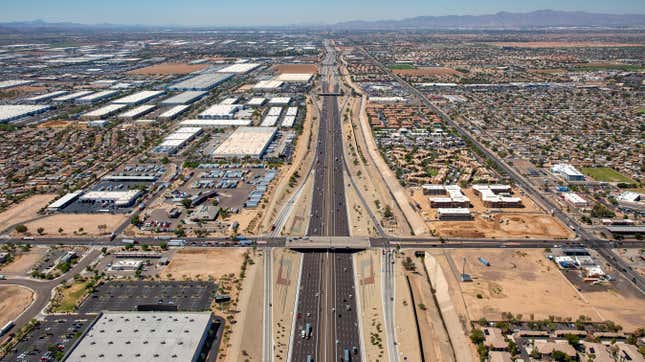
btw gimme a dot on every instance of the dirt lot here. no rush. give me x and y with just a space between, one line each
13 300
634 258
23 263
368 275
71 223
523 281
26 210
169 68
296 68
55 124
427 71
527 222
203 262
404 317
564 44
285 272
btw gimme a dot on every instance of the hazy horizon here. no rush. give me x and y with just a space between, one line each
280 12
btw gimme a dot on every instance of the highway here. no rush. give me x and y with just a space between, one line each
588 239
267 351
389 295
326 295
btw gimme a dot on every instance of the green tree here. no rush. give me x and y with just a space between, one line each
21 228
477 336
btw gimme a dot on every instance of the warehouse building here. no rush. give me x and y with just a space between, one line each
256 102
71 96
215 123
10 113
137 111
204 82
295 77
268 85
125 198
96 97
220 111
104 111
244 142
567 172
62 202
127 265
13 83
173 112
187 97
145 336
574 199
177 140
239 68
46 96
138 98
279 101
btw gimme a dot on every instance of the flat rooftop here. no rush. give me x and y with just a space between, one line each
246 142
143 336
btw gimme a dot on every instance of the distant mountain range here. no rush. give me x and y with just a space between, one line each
504 20
501 20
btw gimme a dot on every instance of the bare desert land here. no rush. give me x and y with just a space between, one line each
296 68
76 224
13 300
24 262
204 263
26 210
524 282
169 68
368 276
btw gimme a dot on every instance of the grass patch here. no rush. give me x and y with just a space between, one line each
70 297
606 174
402 66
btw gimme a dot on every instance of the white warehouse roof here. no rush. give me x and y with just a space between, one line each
216 122
295 77
104 111
220 111
246 142
12 112
239 68
184 97
138 97
138 111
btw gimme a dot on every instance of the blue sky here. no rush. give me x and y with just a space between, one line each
279 12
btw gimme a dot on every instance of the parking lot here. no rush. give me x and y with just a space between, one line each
127 295
55 335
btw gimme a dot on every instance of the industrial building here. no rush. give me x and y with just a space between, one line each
13 83
268 85
574 199
46 96
10 113
239 68
295 77
145 336
126 265
187 97
71 96
104 111
256 102
631 201
137 111
177 140
138 98
204 82
174 112
65 200
96 97
220 111
279 101
216 123
567 172
497 196
125 198
244 142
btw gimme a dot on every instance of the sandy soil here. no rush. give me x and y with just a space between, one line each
26 210
13 301
361 224
406 334
203 262
427 71
169 68
634 257
368 274
529 222
55 124
23 263
73 222
523 281
436 344
564 44
246 338
296 68
285 270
